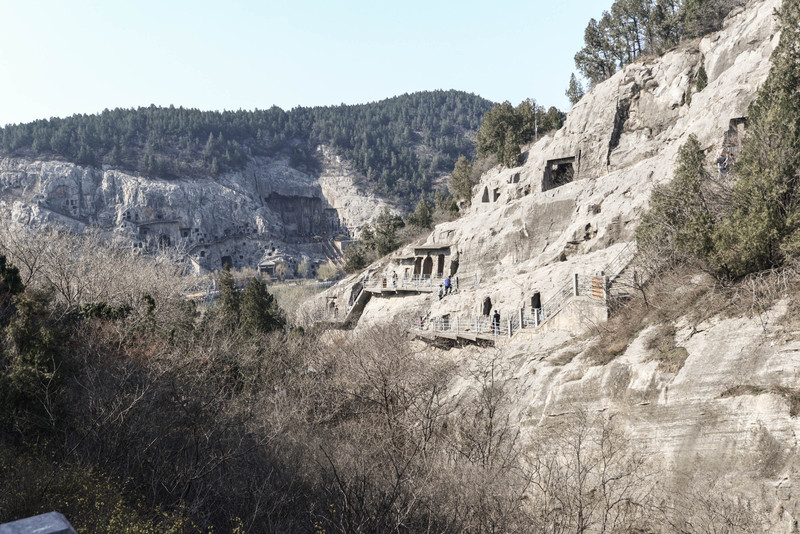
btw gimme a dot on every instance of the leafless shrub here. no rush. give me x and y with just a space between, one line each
703 502
619 331
329 271
293 297
756 294
587 477
486 435
384 408
86 268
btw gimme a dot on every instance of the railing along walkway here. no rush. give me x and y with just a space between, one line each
418 283
491 328
595 287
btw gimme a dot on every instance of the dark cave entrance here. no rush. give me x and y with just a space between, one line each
558 172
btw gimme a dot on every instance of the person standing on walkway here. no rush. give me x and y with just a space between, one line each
440 292
496 322
447 286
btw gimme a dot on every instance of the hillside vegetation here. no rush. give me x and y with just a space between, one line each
635 27
746 219
124 408
128 408
400 144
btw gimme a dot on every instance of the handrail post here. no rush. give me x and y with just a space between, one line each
522 317
575 285
605 288
536 317
456 325
508 322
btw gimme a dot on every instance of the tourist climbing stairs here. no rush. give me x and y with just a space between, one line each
616 280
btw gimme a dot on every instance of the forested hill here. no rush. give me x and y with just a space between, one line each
400 144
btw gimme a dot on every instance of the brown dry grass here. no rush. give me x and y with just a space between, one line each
694 296
669 356
615 336
791 396
681 293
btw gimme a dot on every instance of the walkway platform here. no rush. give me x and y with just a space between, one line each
400 289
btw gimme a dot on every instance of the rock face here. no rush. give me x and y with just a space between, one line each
576 201
571 208
268 213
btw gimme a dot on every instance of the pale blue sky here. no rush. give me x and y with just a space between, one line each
61 57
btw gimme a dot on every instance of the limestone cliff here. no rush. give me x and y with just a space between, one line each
265 214
571 208
575 202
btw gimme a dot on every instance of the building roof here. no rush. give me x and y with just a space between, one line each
426 248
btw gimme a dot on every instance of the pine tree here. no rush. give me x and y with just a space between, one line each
596 60
666 27
703 16
386 226
461 179
258 310
10 285
575 90
680 222
228 298
511 151
422 216
491 137
764 225
354 258
702 76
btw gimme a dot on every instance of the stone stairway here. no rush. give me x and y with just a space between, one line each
356 307
617 281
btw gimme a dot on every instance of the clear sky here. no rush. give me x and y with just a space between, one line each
59 57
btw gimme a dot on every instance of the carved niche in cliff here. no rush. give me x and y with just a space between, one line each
558 172
304 216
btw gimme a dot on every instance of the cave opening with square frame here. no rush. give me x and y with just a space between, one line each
558 172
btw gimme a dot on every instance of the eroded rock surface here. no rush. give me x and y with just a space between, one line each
267 213
572 207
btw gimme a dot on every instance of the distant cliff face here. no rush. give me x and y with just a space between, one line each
571 208
269 211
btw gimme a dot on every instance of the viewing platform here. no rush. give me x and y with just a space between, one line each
415 284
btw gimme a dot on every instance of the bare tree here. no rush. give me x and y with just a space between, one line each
586 477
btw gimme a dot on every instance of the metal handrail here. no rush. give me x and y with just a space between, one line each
557 301
580 285
416 282
618 264
460 325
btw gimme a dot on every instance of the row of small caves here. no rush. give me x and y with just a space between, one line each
561 171
437 261
308 231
